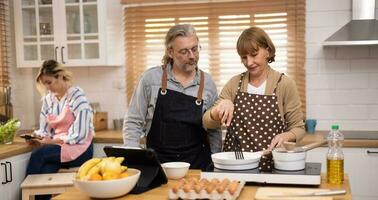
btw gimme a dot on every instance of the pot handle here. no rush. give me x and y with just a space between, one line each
314 145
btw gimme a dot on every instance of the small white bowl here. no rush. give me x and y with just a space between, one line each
109 188
175 170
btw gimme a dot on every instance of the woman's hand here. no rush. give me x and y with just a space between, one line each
48 140
34 142
223 112
279 139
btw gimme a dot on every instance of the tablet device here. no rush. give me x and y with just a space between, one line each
29 136
152 174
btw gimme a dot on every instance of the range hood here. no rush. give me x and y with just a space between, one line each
362 30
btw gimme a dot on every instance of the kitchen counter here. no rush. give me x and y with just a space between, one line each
112 136
161 192
358 143
19 146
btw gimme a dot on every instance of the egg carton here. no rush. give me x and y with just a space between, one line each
203 194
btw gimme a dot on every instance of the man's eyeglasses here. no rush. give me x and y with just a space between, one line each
186 52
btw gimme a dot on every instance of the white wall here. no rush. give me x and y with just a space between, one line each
341 82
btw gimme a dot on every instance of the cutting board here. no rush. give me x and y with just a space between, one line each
264 193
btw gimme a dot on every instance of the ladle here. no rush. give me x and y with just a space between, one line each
291 146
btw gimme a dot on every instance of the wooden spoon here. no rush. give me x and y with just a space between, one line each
291 146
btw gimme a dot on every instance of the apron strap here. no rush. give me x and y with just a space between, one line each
274 91
164 80
241 81
200 90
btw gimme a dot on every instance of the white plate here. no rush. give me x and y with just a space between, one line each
237 167
228 158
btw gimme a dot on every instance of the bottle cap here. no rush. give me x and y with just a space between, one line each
335 127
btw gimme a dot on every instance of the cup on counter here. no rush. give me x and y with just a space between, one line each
310 125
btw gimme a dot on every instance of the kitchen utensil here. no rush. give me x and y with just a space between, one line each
290 147
8 103
285 193
237 146
295 159
316 193
237 149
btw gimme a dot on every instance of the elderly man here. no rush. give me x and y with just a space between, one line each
169 101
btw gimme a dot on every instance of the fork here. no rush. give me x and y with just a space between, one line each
237 146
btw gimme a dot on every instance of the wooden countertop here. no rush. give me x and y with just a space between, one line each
161 192
309 138
108 136
17 147
112 136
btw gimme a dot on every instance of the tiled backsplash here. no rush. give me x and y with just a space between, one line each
341 82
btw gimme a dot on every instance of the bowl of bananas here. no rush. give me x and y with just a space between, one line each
106 177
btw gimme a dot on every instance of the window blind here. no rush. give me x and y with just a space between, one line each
4 44
218 26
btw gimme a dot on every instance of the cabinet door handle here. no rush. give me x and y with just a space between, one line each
6 174
371 152
56 53
61 54
10 172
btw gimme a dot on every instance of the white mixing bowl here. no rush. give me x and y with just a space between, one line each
175 170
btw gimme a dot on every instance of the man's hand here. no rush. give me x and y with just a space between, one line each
223 112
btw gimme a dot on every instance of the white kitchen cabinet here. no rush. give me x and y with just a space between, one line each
16 168
73 32
361 165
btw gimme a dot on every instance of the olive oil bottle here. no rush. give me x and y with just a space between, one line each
335 156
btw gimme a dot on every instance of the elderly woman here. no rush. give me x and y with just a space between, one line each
261 106
66 130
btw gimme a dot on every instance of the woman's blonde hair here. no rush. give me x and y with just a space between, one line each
54 69
252 39
183 30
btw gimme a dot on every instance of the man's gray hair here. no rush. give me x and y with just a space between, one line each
183 30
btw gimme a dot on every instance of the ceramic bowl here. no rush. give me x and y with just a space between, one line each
109 188
175 170
289 161
227 160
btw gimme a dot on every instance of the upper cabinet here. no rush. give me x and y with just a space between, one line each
73 32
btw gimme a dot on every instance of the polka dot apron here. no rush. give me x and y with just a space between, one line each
256 121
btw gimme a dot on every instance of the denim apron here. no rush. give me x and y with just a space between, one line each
176 132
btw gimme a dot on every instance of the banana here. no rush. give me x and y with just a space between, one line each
94 170
120 159
84 168
102 163
123 168
111 158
